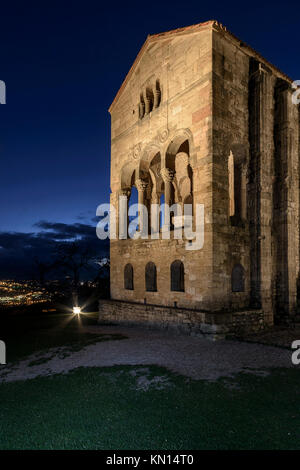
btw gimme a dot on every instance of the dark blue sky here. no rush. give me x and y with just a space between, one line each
63 63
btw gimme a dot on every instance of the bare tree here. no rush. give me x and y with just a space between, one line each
43 268
74 258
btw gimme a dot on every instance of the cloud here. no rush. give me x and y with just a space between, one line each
61 231
19 250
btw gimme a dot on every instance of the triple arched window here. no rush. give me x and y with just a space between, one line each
176 272
150 99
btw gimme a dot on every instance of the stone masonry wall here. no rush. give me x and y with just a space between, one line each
183 66
192 322
225 109
230 135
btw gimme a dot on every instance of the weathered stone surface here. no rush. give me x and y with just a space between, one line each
203 118
191 322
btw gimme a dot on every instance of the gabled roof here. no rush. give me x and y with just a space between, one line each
191 29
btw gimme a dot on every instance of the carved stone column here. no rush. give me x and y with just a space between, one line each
156 98
154 214
143 221
167 175
124 195
147 103
141 109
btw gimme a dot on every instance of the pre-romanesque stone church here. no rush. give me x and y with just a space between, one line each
202 118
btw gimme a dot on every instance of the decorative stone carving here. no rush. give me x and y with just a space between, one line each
162 137
125 192
137 151
167 174
141 185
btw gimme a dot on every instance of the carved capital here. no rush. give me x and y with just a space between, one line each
167 174
141 184
125 192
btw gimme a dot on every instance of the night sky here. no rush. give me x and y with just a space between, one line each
63 63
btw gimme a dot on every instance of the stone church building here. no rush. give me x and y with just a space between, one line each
202 118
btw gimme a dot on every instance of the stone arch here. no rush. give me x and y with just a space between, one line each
175 141
183 177
175 162
150 173
238 278
148 154
177 276
128 277
150 277
178 162
179 145
128 173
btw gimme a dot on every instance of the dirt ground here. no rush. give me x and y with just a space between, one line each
193 357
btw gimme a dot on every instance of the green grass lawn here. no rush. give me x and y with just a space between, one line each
104 408
97 408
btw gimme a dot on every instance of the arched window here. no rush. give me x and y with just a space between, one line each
231 185
238 278
236 187
128 277
150 277
177 276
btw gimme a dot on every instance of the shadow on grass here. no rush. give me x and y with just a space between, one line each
28 334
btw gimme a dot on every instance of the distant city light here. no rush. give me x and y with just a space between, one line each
76 310
13 293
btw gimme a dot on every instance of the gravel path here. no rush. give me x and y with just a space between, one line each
194 357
